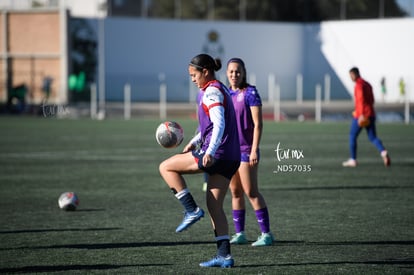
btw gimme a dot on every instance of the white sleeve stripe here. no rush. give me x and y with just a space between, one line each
212 98
217 118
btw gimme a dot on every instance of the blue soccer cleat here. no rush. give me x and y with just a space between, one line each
189 219
219 261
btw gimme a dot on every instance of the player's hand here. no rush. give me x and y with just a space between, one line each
189 147
208 160
253 159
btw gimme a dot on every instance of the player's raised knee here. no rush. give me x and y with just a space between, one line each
162 167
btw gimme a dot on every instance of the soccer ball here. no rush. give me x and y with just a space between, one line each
68 201
364 123
169 134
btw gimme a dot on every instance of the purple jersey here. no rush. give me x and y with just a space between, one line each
242 101
229 147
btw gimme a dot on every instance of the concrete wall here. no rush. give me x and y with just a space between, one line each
142 51
138 51
380 48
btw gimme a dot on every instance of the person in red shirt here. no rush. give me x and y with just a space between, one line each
363 117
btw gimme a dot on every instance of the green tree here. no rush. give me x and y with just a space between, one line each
280 10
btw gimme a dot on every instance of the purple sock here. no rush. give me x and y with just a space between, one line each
262 216
239 217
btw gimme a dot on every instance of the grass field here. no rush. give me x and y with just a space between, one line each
329 220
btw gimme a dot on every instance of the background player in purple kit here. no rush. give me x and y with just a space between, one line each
218 154
248 107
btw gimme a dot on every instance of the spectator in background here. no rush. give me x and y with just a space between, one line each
363 117
402 89
47 86
383 88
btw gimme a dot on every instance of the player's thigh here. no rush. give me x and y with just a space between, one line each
372 131
217 188
355 129
248 177
182 163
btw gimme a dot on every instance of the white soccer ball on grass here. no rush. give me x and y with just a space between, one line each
68 201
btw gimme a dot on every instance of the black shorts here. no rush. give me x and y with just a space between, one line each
226 168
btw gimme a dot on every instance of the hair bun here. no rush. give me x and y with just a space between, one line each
218 64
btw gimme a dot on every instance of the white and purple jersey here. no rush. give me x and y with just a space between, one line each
242 101
218 136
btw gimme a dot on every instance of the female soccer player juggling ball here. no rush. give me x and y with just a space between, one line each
218 154
248 107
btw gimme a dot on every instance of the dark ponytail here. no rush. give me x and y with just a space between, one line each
205 61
